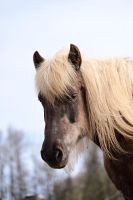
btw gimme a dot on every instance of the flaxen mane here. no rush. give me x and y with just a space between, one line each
109 86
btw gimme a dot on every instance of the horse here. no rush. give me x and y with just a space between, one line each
85 98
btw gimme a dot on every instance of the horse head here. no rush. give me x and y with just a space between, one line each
62 95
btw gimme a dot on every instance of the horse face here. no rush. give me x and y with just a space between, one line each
65 125
65 120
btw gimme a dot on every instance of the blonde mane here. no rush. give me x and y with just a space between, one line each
55 76
109 87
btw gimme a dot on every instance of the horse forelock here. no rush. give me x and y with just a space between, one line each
55 77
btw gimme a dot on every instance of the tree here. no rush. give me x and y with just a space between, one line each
2 167
43 177
18 182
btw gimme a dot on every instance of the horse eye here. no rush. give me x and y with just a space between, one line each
71 97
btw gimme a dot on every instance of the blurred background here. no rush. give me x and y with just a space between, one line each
100 29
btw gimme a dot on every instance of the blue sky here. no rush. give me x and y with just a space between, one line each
100 28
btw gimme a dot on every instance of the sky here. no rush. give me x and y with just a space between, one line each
100 28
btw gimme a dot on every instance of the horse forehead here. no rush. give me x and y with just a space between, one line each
53 79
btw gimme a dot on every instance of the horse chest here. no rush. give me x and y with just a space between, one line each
121 174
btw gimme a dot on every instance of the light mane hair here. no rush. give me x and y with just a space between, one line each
109 87
55 77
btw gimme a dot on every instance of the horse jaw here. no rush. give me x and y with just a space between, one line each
75 153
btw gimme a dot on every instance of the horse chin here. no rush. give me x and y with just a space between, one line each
57 166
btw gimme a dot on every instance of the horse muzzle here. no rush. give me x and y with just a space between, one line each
55 157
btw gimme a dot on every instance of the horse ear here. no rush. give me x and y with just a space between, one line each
75 57
37 59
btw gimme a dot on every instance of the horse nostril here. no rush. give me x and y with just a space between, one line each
42 154
58 155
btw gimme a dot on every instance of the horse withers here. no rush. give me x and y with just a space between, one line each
88 98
